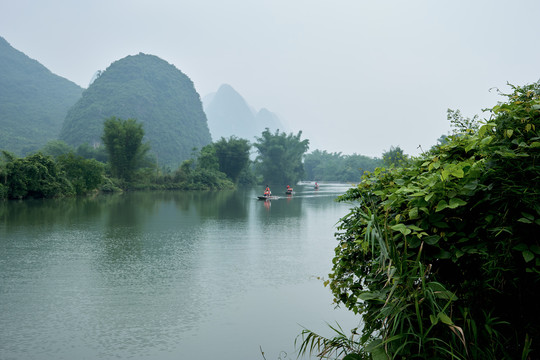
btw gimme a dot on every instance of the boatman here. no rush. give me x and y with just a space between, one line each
267 191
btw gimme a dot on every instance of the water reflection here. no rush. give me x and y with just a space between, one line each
159 275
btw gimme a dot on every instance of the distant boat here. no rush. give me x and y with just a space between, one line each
264 197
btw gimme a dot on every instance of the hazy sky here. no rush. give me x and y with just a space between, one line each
355 76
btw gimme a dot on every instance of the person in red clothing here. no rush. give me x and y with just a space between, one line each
267 191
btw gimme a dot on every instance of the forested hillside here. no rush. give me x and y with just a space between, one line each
150 90
229 114
33 101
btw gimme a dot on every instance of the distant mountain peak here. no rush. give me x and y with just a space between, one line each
150 90
230 114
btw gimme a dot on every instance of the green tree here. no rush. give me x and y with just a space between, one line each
441 257
84 174
324 166
88 152
55 148
233 156
35 176
394 157
123 141
280 157
207 159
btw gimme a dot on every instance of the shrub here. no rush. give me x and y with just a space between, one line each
441 257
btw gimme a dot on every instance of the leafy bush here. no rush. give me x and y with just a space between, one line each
441 257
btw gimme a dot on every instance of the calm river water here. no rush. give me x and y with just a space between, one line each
167 275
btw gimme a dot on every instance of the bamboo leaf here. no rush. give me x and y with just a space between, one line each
445 319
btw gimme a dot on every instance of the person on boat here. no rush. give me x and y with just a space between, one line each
267 191
316 185
289 189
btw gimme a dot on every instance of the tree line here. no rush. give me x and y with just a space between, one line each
123 163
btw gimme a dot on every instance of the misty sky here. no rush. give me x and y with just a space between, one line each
355 76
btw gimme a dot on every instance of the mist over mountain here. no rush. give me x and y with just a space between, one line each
229 114
150 90
33 101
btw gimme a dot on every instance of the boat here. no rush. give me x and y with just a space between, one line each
263 197
288 192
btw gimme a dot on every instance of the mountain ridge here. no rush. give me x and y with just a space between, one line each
33 101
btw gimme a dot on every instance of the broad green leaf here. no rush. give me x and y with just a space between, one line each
528 216
413 213
429 196
458 172
432 240
521 247
486 141
414 228
441 205
535 144
401 228
445 174
508 133
379 354
434 320
527 255
455 202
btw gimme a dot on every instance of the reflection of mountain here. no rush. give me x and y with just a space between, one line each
229 114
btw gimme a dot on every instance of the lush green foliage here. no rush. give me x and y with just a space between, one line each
324 166
233 156
84 175
280 157
36 176
33 101
394 157
55 148
441 257
123 141
154 92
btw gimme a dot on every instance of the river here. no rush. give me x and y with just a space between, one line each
167 275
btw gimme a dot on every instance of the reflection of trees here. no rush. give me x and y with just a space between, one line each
126 216
49 213
213 204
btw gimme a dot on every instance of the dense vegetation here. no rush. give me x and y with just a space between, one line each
33 101
324 166
146 88
40 176
279 159
441 257
123 142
